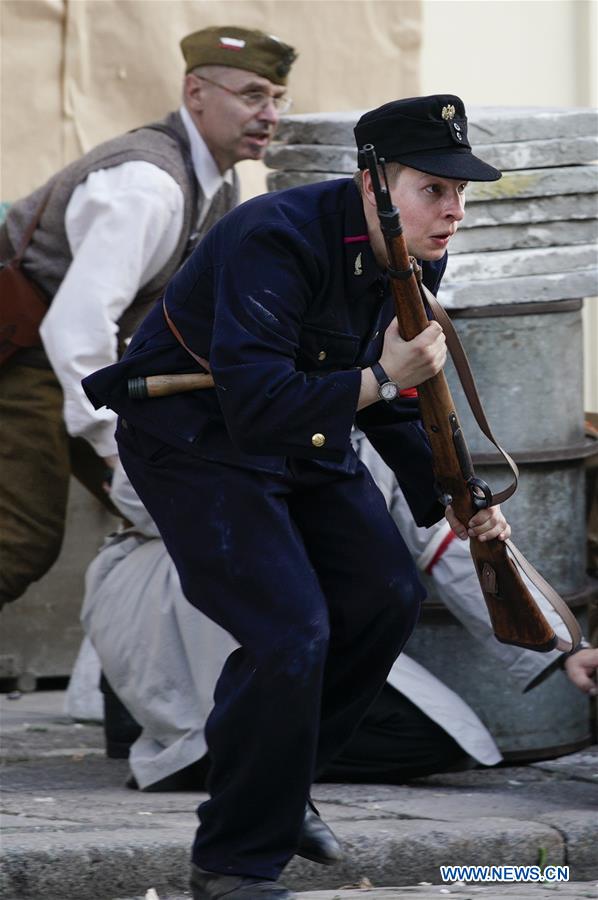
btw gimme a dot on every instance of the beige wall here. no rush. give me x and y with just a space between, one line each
511 52
75 72
517 53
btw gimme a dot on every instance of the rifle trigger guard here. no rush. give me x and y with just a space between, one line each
477 485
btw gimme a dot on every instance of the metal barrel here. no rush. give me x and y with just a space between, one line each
549 720
528 364
527 359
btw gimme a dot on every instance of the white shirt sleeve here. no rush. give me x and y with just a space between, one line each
122 225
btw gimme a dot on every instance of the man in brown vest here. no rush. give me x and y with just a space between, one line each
116 226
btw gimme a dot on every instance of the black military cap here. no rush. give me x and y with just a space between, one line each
240 48
426 133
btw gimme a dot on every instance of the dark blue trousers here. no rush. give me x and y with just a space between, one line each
310 575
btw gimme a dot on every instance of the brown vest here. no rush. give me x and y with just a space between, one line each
48 256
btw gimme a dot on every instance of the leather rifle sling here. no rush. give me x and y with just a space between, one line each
459 357
198 359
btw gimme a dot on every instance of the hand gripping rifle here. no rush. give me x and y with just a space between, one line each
515 617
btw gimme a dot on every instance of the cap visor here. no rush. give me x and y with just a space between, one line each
458 164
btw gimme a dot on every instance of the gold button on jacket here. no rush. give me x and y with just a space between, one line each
318 440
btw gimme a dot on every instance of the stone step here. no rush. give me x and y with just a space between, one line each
513 263
60 860
532 154
528 211
504 224
548 182
507 156
487 125
511 237
331 158
485 212
491 125
522 289
512 186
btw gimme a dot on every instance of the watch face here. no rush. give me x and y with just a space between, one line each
388 391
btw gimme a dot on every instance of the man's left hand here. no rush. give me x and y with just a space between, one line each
486 524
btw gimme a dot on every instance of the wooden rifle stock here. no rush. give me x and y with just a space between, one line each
515 616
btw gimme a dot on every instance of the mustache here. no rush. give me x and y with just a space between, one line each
261 131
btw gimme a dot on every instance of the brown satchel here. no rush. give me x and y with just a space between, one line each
22 303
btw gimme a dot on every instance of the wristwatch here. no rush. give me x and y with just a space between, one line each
388 389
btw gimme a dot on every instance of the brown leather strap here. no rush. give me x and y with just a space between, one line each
467 380
198 359
455 348
555 600
26 239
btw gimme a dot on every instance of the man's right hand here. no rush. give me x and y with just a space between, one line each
406 362
411 362
581 668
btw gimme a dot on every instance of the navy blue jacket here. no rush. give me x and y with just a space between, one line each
285 299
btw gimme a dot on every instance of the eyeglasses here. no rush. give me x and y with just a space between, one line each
254 100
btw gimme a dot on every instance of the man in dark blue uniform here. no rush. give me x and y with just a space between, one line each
277 530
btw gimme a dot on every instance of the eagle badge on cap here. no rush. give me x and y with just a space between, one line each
448 113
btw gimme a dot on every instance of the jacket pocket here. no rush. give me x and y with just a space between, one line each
322 350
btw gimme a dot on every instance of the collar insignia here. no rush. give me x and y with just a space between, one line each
448 113
358 270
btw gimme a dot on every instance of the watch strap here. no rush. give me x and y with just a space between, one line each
380 374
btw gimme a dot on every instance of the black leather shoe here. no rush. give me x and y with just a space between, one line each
120 728
317 841
211 886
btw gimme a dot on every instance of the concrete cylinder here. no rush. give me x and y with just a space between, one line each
528 364
549 720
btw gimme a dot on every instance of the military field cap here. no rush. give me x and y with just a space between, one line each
426 133
240 48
